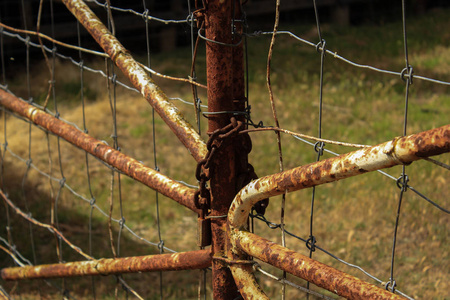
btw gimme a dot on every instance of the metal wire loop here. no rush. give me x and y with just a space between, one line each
390 285
161 245
145 15
311 243
62 182
92 202
407 70
320 47
318 147
217 42
402 182
122 222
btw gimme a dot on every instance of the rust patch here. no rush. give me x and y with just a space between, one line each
313 271
199 259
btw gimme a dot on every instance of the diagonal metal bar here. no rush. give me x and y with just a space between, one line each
129 166
139 78
401 150
313 271
199 259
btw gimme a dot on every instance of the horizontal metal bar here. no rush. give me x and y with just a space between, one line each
401 150
199 259
129 166
139 78
313 271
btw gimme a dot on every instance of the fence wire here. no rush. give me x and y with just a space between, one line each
104 201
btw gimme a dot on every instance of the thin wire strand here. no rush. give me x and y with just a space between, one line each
275 117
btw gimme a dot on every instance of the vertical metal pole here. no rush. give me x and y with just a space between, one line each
219 57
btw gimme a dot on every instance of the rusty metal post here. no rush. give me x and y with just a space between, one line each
192 260
129 166
219 56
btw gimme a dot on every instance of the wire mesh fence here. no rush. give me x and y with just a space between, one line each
322 89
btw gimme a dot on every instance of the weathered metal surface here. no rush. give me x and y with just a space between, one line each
218 15
313 271
402 150
139 78
199 259
246 282
129 166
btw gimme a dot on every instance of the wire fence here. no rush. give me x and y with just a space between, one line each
63 204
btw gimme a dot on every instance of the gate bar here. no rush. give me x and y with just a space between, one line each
401 150
198 259
309 269
139 78
181 193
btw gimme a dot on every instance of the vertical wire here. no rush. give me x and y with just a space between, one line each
2 55
28 163
402 182
319 146
4 145
277 124
52 92
83 106
155 161
111 79
193 76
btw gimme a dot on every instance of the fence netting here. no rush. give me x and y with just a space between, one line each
315 89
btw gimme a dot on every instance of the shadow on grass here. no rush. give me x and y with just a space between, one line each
39 246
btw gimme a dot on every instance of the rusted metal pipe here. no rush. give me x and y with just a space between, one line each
401 150
199 259
313 271
247 284
129 166
139 78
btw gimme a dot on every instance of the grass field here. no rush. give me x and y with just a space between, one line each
353 219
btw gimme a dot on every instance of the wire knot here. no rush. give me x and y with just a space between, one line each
402 182
318 147
320 47
408 71
311 243
390 285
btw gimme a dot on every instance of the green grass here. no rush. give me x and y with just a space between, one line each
354 218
